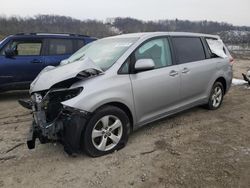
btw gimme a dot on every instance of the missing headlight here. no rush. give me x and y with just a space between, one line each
52 101
64 94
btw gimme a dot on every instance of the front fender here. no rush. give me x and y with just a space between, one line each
111 90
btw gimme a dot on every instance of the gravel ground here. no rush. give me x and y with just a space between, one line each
195 148
241 66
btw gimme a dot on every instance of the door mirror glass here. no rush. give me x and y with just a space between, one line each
144 65
9 53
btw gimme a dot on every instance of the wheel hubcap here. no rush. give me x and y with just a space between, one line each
107 133
217 96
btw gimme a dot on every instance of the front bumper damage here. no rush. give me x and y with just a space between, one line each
54 122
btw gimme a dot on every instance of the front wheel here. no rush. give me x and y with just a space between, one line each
106 131
216 96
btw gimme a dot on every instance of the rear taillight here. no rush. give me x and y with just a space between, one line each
231 61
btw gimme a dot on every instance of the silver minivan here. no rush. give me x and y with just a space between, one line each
108 88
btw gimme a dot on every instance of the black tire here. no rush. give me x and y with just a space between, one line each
110 111
210 105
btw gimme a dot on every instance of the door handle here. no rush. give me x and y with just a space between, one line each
36 61
173 73
185 70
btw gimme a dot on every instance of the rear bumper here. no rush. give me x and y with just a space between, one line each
229 78
229 84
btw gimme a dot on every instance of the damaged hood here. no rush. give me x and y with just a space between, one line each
51 75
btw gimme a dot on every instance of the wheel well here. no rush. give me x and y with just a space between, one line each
124 108
223 82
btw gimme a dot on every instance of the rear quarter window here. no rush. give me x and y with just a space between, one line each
188 49
216 48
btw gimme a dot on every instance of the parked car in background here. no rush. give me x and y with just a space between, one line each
118 84
23 56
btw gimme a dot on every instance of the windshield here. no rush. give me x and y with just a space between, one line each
104 52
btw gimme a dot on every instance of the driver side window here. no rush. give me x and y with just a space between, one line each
10 45
24 48
158 50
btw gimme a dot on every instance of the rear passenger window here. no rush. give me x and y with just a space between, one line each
60 46
188 49
79 44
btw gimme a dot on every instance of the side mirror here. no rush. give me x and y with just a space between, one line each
64 62
9 53
144 65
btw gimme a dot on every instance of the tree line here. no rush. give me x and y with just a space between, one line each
113 26
52 24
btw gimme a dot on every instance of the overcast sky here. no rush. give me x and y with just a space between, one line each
231 11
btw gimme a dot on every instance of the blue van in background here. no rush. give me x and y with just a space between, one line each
23 56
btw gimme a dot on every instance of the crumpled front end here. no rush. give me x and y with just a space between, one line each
55 122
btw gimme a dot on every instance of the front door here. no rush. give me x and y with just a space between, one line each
24 66
156 92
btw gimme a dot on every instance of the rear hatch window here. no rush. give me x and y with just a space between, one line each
217 47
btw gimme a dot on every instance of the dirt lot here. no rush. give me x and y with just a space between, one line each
241 66
196 148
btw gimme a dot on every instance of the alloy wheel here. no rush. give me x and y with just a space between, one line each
107 133
217 96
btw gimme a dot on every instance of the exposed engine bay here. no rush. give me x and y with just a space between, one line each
51 118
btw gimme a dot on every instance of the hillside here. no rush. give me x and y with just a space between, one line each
61 24
54 24
235 36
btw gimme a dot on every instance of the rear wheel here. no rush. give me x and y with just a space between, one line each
216 96
106 131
